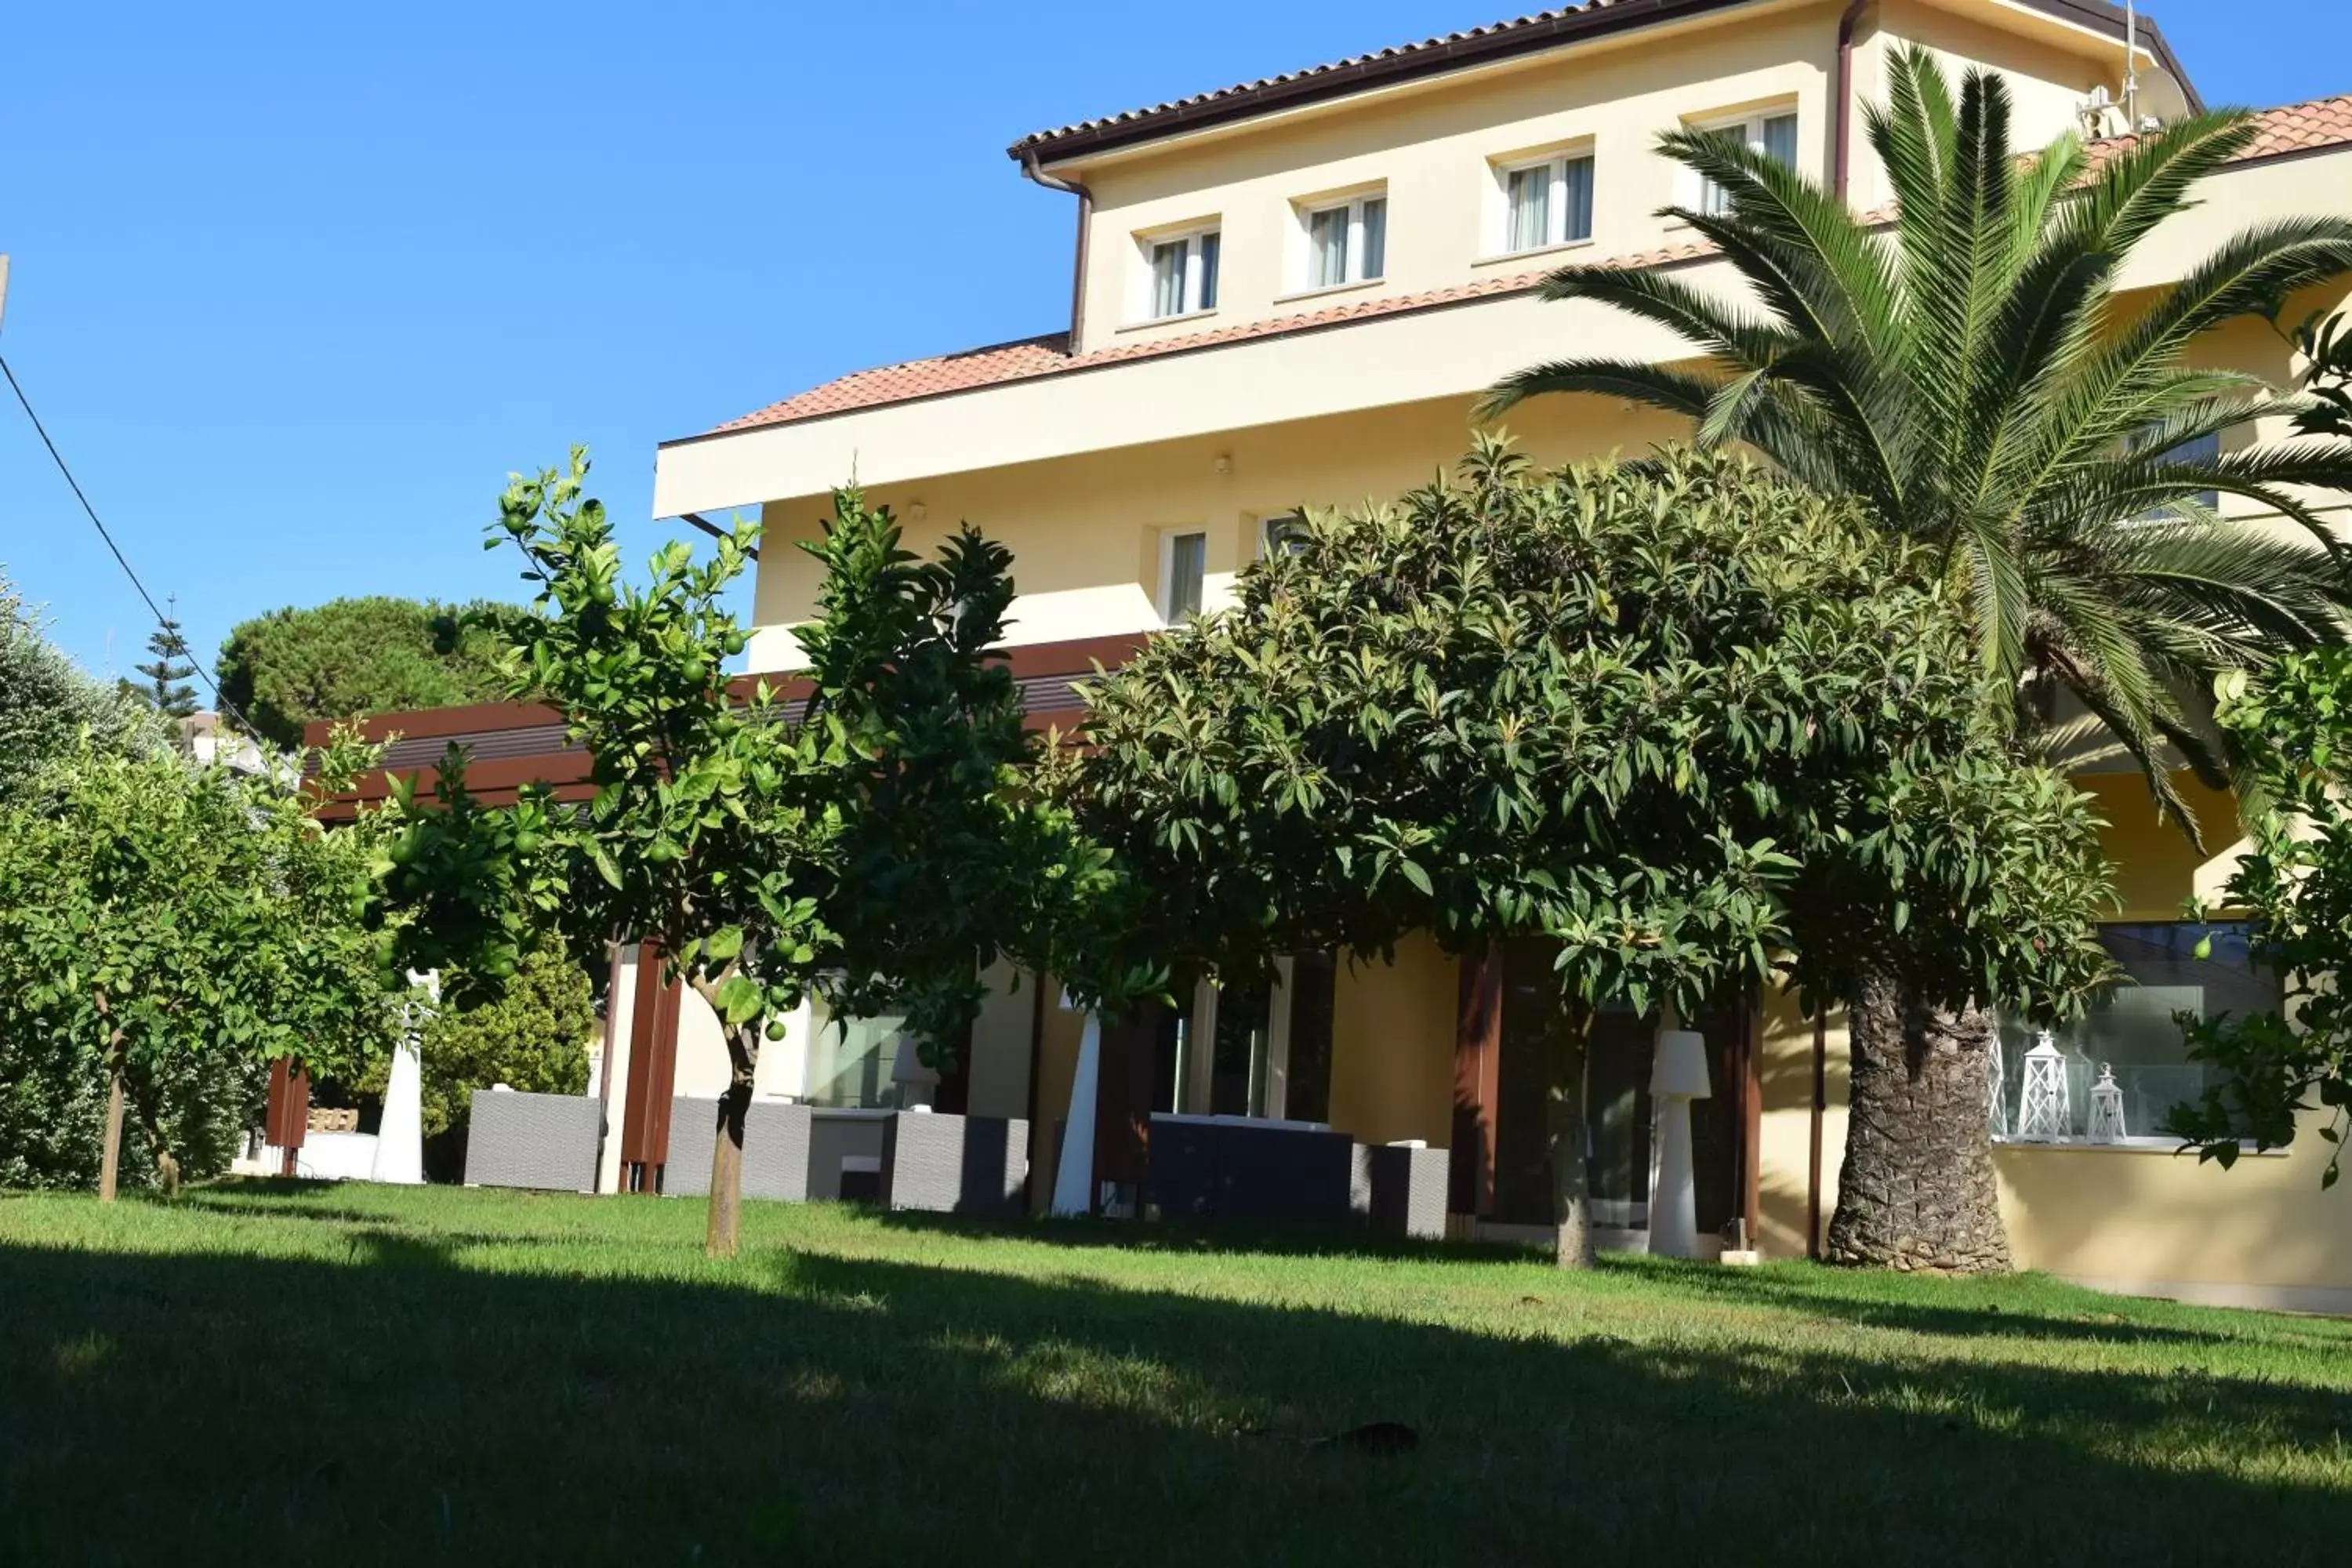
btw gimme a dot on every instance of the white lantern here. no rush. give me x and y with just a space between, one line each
1997 1091
1677 1077
2107 1108
2043 1106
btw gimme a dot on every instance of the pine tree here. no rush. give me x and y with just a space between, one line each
167 691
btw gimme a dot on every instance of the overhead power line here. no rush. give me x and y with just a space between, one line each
120 558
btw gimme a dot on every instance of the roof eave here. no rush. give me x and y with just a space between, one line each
1506 41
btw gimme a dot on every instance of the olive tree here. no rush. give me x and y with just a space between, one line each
1699 727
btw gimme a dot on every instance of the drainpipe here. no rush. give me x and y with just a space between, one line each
1085 229
1842 128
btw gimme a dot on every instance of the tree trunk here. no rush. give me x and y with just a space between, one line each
1571 1029
723 1231
1916 1191
110 1159
151 1122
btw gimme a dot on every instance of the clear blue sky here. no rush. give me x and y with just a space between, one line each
296 286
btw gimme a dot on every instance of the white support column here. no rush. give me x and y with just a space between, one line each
1074 1178
621 1006
400 1135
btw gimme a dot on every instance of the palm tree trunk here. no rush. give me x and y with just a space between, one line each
1570 1030
1917 1190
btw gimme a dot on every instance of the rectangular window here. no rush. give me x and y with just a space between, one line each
852 1063
2132 1031
1183 565
1547 202
1772 135
1347 242
1184 273
2204 451
1260 1052
1283 535
1167 278
1306 1047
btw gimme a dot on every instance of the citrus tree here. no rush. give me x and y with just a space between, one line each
868 842
165 929
2294 883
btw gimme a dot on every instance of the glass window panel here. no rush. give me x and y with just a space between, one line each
1376 237
2132 1030
1212 249
1530 192
1283 535
1308 1095
1780 141
1188 560
1326 244
1577 198
2204 449
1238 1057
1168 278
849 1064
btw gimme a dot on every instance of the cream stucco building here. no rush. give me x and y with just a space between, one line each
1290 293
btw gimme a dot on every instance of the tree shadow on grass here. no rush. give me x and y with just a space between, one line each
1208 1237
2049 1309
397 1407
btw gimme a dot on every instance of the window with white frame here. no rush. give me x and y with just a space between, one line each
1284 534
1182 277
1347 241
2171 967
1183 568
1772 133
1547 201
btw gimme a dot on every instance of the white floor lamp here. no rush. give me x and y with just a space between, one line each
1677 1077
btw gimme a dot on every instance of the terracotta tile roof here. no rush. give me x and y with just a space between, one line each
1518 26
2300 127
1473 46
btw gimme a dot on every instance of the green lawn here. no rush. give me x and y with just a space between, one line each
274 1373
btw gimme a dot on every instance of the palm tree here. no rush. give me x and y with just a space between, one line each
1975 377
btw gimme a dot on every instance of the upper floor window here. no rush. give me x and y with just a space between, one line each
1282 535
1546 202
1347 241
1183 272
2202 452
1183 571
1772 133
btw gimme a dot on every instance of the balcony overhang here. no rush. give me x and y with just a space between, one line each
1390 356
